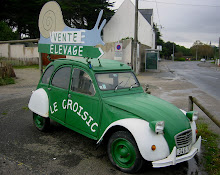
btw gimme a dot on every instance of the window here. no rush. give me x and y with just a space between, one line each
62 77
113 81
47 74
82 82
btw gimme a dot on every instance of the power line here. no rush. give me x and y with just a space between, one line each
197 5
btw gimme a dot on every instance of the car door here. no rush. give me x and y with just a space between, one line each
83 104
58 92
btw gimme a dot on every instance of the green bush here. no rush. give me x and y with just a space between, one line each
180 59
6 80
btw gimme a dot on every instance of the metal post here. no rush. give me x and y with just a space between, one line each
40 64
135 37
190 104
9 50
173 51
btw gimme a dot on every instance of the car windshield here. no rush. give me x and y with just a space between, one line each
116 80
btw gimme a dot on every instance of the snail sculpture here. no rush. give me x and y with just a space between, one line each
51 20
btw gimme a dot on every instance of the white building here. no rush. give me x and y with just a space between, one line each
120 28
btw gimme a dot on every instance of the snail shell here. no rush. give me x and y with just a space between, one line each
50 19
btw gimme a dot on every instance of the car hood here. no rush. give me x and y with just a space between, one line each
150 108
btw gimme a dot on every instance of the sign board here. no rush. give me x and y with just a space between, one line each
118 51
118 56
80 51
57 38
159 48
118 47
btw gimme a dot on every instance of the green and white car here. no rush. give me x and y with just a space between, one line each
103 100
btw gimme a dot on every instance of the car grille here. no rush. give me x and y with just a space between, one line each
184 138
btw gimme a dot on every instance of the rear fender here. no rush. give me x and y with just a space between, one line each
144 137
39 103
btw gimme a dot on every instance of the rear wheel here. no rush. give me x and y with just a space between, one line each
41 123
123 152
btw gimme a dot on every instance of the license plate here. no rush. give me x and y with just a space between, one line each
183 150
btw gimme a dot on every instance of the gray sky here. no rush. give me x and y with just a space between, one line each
184 24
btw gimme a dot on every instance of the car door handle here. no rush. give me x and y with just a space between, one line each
69 95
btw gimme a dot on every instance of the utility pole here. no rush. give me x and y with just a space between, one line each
196 51
219 48
135 39
173 51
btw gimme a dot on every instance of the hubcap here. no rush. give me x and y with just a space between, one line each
123 153
39 121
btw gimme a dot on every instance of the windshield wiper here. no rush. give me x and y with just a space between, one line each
127 80
132 86
116 87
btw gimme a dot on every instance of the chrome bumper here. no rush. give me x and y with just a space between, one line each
173 160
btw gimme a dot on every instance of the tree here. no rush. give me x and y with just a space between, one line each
158 40
168 49
83 13
23 15
6 32
183 50
200 50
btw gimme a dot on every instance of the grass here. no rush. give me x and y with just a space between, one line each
211 152
25 108
25 67
6 81
4 113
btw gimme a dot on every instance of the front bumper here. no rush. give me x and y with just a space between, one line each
173 160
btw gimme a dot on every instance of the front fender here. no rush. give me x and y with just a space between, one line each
144 138
39 103
193 127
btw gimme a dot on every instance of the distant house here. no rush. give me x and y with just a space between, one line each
120 28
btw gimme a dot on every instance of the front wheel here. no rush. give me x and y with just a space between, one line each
123 152
41 123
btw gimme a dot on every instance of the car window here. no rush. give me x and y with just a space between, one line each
62 77
82 82
116 80
48 72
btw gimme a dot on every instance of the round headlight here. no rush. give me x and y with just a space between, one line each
192 115
157 126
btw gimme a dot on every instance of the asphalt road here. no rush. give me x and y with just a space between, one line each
25 150
200 74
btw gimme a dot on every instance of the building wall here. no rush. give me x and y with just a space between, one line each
4 50
121 26
109 50
142 56
19 52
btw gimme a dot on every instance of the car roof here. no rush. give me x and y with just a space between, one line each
106 64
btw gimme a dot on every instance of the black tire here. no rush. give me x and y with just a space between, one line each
124 153
41 123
